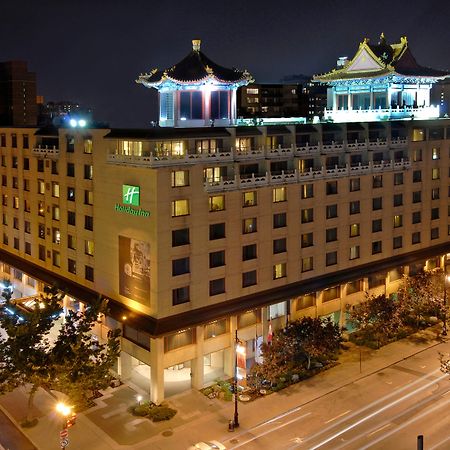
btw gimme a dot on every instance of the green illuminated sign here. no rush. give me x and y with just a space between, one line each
130 195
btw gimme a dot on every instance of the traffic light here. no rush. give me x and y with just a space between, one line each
71 420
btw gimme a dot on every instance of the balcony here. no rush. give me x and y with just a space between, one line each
46 152
375 115
288 177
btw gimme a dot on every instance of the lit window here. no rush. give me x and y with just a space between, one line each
435 173
55 189
306 191
307 264
354 252
435 153
354 229
180 208
279 271
249 198
89 247
180 178
398 221
279 195
249 225
216 203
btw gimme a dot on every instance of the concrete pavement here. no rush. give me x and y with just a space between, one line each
109 426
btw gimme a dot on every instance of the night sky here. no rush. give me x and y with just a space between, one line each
92 51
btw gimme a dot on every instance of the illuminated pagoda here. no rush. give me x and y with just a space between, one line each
381 82
196 92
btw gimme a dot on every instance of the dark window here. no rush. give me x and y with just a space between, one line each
435 194
2 140
331 258
42 252
217 286
217 259
54 167
376 279
25 141
354 207
219 105
306 191
15 162
180 266
398 199
307 240
397 242
248 252
377 181
71 266
355 184
180 295
26 163
191 105
140 338
416 217
180 237
377 225
332 211
417 197
434 233
249 278
89 273
14 140
71 217
279 245
398 179
434 213
27 248
415 237
70 141
279 220
70 169
332 187
40 165
88 223
88 172
376 247
417 176
216 231
331 234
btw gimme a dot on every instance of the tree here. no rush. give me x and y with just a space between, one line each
73 362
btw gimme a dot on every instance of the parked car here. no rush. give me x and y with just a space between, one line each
207 445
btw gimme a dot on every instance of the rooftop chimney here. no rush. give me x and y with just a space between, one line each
196 45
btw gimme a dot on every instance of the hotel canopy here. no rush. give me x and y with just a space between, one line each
196 91
381 82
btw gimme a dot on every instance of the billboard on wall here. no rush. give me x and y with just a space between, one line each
134 269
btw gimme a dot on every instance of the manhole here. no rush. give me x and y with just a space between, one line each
167 433
234 441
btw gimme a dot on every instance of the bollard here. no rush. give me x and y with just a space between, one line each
420 442
230 425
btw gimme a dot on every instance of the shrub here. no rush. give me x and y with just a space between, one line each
160 413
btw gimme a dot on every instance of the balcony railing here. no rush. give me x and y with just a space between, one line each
296 176
46 152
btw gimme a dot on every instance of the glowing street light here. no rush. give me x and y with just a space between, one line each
139 399
68 420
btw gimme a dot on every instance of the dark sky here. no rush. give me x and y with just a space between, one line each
92 51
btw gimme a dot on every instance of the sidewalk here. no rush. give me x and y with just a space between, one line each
109 426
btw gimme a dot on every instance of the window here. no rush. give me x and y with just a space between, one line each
355 184
70 144
4 180
217 286
71 242
180 266
191 105
87 145
249 278
331 187
27 248
70 169
332 211
435 173
89 273
376 247
40 165
55 212
56 236
42 252
279 220
436 153
355 207
331 258
417 176
217 259
398 179
88 197
417 154
180 339
307 240
416 217
180 295
279 271
377 225
249 199
417 196
248 252
71 194
15 202
397 242
25 141
180 237
279 194
16 223
216 231
3 140
216 203
180 208
377 181
306 191
398 220
307 264
180 178
331 294
26 185
435 233
71 217
14 140
434 213
88 223
354 286
354 229
15 162
27 227
54 167
279 245
55 189
208 146
415 237
40 186
398 199
41 230
354 252
88 172
71 266
56 258
331 234
89 247
435 194
249 225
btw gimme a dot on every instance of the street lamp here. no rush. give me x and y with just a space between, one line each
68 419
239 350
444 313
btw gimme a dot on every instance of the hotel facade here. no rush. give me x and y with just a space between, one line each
206 226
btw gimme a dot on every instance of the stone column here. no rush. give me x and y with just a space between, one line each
197 365
157 370
124 366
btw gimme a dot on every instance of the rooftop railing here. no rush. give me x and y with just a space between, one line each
45 151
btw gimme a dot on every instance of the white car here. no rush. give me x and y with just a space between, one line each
208 445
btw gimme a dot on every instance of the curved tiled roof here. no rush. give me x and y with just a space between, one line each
195 67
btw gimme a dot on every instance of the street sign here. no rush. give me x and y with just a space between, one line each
63 433
64 442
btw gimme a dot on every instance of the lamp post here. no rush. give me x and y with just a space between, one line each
236 414
65 411
444 312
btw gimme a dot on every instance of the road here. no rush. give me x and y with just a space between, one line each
10 437
386 410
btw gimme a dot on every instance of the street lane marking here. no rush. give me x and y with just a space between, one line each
337 417
440 443
379 429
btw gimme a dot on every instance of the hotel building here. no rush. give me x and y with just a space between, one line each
195 231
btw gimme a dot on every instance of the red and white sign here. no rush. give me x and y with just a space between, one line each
63 433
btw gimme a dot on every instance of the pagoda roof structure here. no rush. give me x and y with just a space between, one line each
195 69
381 60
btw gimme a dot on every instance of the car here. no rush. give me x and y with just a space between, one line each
207 445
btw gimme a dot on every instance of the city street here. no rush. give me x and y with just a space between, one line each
385 410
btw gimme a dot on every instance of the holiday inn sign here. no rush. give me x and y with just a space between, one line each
131 196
